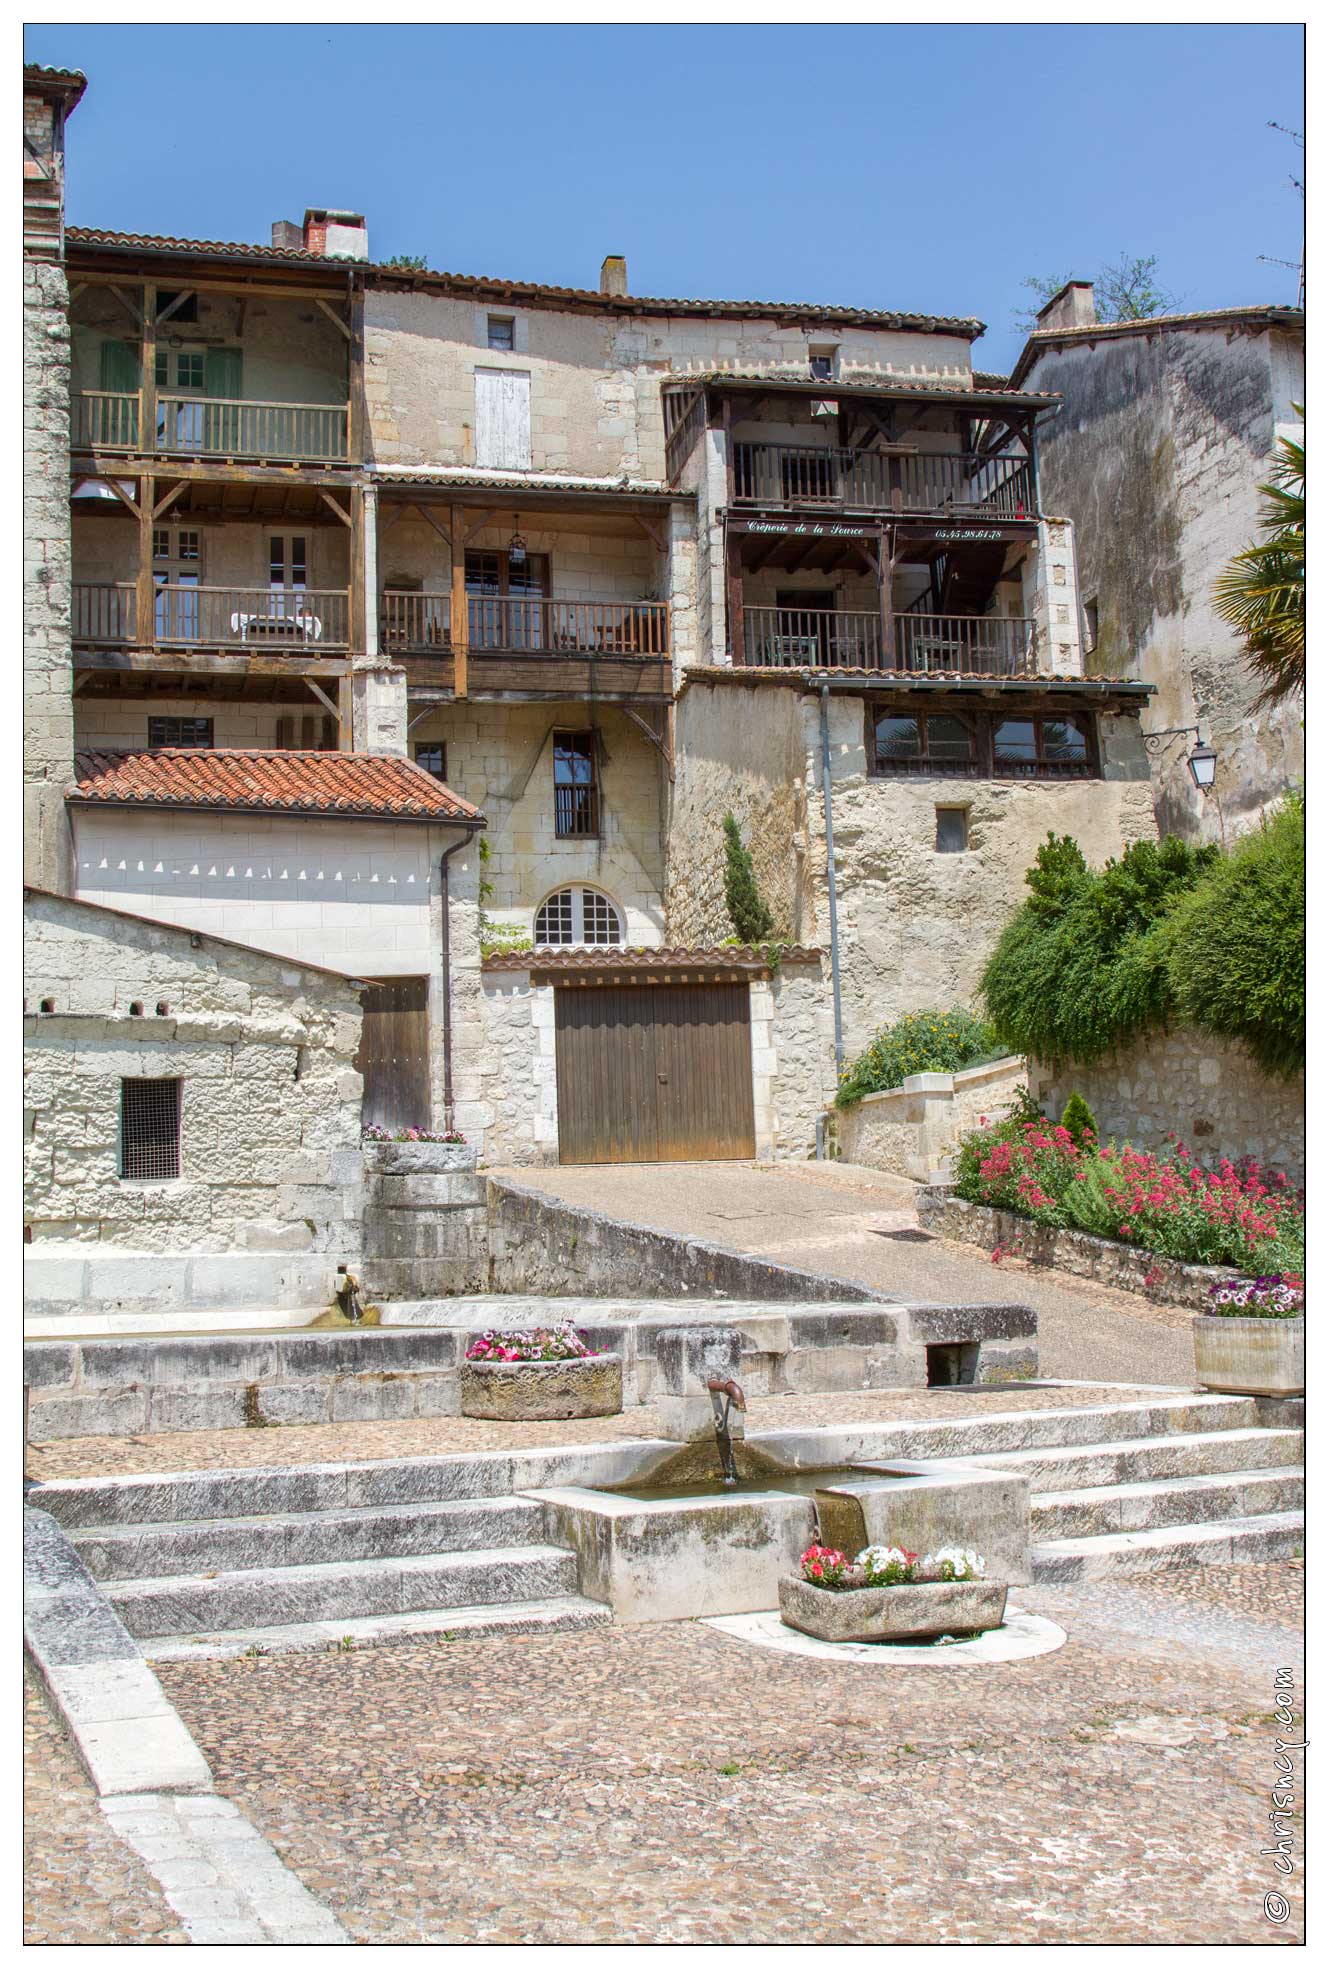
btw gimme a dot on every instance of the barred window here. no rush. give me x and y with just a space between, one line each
578 916
150 1130
192 732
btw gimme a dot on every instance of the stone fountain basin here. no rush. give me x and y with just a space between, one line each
667 1556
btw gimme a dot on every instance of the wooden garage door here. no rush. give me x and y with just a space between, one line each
654 1073
394 1053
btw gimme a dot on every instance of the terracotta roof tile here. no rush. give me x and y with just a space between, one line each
945 388
798 678
647 958
1262 315
333 784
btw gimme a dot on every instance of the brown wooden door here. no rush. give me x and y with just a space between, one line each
394 1053
654 1073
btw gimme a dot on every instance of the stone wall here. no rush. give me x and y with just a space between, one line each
48 707
500 756
915 1128
915 926
1158 455
270 1117
1206 1090
793 1057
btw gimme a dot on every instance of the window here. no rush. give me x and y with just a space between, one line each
821 365
180 369
502 331
176 308
432 758
572 916
506 607
177 569
1091 626
150 1130
288 563
192 732
576 792
1036 746
936 742
952 830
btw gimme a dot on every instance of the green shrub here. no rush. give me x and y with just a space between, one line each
1236 945
1075 974
498 939
921 1042
1077 1116
750 916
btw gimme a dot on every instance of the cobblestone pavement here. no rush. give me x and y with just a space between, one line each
838 1219
224 1449
666 1783
81 1883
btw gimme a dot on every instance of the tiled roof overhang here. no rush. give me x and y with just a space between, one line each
1263 316
310 785
59 85
646 964
872 683
494 287
886 386
398 479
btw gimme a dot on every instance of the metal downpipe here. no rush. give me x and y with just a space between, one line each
830 879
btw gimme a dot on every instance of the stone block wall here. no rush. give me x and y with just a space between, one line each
48 706
426 1233
1208 1091
914 1129
270 1115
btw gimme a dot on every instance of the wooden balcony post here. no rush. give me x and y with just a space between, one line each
147 381
368 557
356 569
734 583
885 595
461 621
145 611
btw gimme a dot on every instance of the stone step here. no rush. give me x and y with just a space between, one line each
280 1595
430 1626
1100 1510
1094 1465
1240 1541
392 1531
170 1498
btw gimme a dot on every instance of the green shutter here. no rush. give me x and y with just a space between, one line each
221 373
119 366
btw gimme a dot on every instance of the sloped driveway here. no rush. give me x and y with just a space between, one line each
833 1218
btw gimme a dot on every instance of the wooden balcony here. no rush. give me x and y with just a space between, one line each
837 639
531 646
828 478
213 427
279 620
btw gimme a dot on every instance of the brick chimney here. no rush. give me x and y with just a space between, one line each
613 274
1072 306
340 235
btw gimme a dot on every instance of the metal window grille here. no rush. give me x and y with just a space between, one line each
193 732
150 1129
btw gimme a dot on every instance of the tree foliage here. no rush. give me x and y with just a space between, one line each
408 262
1126 289
1261 593
921 1042
750 916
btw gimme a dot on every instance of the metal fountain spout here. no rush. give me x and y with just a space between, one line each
348 1296
725 1395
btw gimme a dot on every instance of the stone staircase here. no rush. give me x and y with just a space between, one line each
276 1580
280 1559
1227 1493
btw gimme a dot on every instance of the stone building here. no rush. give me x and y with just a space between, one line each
1164 437
191 1116
595 567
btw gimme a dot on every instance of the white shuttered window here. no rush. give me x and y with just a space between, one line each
503 419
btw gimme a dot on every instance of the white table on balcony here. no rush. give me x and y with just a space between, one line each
302 627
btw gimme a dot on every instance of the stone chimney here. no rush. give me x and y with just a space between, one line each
49 96
340 235
287 234
1072 306
613 274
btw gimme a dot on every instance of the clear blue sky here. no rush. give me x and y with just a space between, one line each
926 168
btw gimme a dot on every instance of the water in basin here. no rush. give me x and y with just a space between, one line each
802 1482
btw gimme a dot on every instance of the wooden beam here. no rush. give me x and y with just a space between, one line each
355 378
461 621
885 596
486 518
185 294
427 515
333 507
355 548
653 534
121 494
734 585
162 505
130 307
333 316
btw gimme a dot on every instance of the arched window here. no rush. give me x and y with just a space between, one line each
577 916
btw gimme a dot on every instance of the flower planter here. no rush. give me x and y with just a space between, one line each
891 1613
1243 1356
542 1391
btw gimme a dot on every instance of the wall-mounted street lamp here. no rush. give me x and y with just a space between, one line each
1203 760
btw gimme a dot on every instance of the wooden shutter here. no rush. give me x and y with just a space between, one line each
221 373
503 419
120 367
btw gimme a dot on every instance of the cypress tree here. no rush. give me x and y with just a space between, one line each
752 920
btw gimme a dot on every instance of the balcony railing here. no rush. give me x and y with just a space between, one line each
104 612
808 638
213 427
835 639
968 645
422 623
186 617
103 420
870 481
